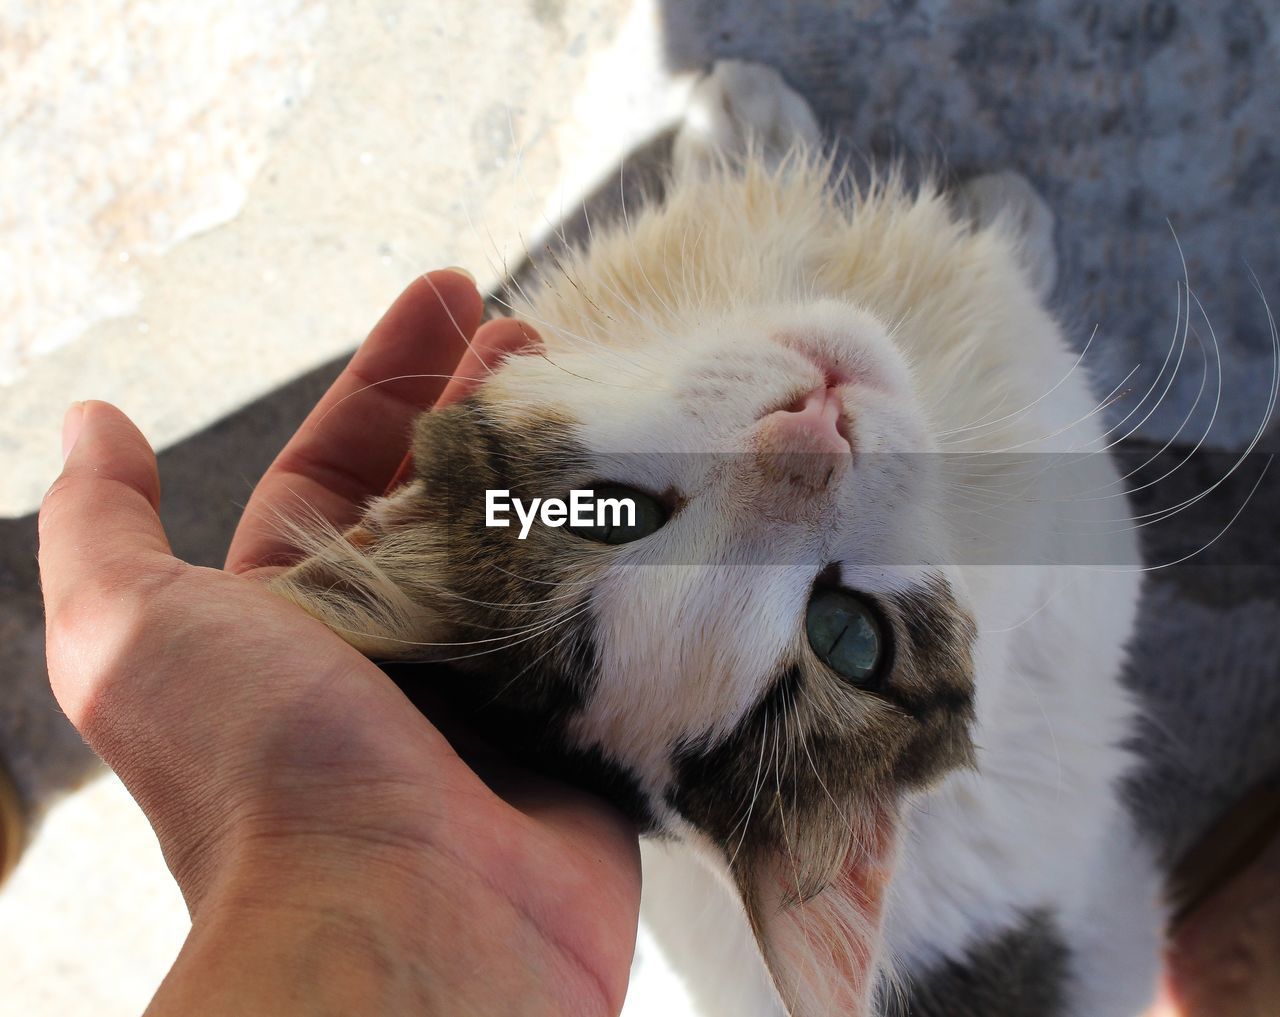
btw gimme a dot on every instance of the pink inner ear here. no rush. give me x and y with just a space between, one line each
823 953
863 882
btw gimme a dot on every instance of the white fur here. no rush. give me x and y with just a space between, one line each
1038 823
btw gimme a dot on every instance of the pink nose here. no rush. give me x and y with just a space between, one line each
803 448
812 424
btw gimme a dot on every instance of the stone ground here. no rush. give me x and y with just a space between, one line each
201 207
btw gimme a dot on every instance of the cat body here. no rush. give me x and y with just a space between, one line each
825 388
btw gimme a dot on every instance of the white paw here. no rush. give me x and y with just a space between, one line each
1009 202
738 106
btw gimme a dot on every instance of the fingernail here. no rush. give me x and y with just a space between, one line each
461 271
71 428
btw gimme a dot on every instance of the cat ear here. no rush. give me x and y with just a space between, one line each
823 948
739 108
372 584
1009 202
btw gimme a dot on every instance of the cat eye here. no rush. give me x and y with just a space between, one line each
845 634
650 516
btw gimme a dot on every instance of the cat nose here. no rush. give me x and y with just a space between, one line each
806 445
814 423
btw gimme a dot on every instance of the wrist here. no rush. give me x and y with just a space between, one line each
336 930
301 926
290 963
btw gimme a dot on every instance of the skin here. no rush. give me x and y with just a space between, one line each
336 852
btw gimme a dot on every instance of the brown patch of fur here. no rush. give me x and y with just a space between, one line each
817 753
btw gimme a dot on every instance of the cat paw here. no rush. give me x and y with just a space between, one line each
1008 201
740 106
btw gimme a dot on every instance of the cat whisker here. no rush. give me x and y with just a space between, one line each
653 289
458 328
552 329
1182 315
588 581
559 265
501 643
755 794
528 605
526 312
804 743
1120 481
558 232
527 667
1169 512
387 381
1178 342
1035 402
782 812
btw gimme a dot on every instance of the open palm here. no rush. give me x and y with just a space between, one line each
279 766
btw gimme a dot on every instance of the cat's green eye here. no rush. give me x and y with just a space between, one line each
616 525
845 634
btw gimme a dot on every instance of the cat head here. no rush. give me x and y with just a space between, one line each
765 664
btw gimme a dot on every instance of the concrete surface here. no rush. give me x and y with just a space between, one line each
263 237
142 132
409 136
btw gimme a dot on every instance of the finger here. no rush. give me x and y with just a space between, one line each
350 444
495 341
101 541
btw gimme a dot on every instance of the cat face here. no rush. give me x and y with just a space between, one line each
782 447
765 672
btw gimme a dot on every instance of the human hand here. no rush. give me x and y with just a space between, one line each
335 852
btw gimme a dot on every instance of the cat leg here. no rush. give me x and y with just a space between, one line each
1008 201
741 107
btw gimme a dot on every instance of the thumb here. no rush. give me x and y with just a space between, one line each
101 543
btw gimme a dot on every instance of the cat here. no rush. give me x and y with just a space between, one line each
854 668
